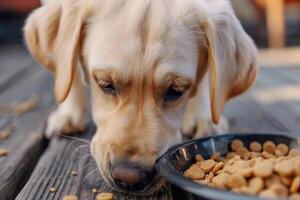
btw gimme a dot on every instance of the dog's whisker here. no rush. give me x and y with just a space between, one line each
83 158
75 138
85 179
77 151
88 165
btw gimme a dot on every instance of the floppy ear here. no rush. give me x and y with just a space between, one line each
231 58
52 34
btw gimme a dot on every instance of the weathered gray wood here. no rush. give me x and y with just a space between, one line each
272 105
54 170
26 142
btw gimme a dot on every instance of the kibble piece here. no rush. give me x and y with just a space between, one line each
267 194
266 155
236 144
284 168
255 155
294 152
70 197
94 190
207 165
242 152
295 196
25 106
247 172
105 196
5 133
203 182
52 189
279 189
199 158
236 181
269 147
286 180
220 181
253 161
278 153
217 167
255 147
295 185
194 173
233 160
209 176
236 166
73 173
263 168
272 180
215 156
256 184
245 190
3 152
230 155
283 148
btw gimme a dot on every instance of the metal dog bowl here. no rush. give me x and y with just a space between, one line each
178 158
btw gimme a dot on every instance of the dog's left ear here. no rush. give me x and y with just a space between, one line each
52 34
231 58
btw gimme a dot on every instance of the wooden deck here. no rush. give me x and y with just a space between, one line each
34 165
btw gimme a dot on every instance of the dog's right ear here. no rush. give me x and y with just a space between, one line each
52 34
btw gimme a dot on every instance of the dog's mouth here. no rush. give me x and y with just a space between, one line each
152 187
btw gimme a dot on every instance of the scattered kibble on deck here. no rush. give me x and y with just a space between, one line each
73 173
70 197
3 152
94 190
5 133
25 106
105 196
52 189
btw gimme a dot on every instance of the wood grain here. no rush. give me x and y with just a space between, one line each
54 170
26 142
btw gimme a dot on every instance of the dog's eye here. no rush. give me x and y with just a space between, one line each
172 94
107 87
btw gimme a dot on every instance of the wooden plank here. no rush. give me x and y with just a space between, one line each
272 105
26 142
275 23
14 62
54 170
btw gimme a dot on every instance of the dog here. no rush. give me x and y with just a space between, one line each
155 68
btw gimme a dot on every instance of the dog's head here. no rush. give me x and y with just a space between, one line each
143 60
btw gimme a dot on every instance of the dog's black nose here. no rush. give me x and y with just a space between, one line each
129 176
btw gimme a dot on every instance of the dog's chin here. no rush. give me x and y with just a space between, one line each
154 187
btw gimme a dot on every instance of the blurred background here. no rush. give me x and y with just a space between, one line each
271 23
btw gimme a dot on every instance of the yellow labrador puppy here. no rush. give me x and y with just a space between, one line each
146 62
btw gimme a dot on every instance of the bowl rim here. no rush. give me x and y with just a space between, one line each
166 170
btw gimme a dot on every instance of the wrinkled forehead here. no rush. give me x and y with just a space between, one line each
140 35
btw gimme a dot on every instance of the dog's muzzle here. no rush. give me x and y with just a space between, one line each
131 177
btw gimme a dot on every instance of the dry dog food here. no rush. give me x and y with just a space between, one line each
70 197
267 170
25 106
52 189
105 196
3 152
5 133
74 173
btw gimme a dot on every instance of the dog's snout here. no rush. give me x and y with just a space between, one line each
128 176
